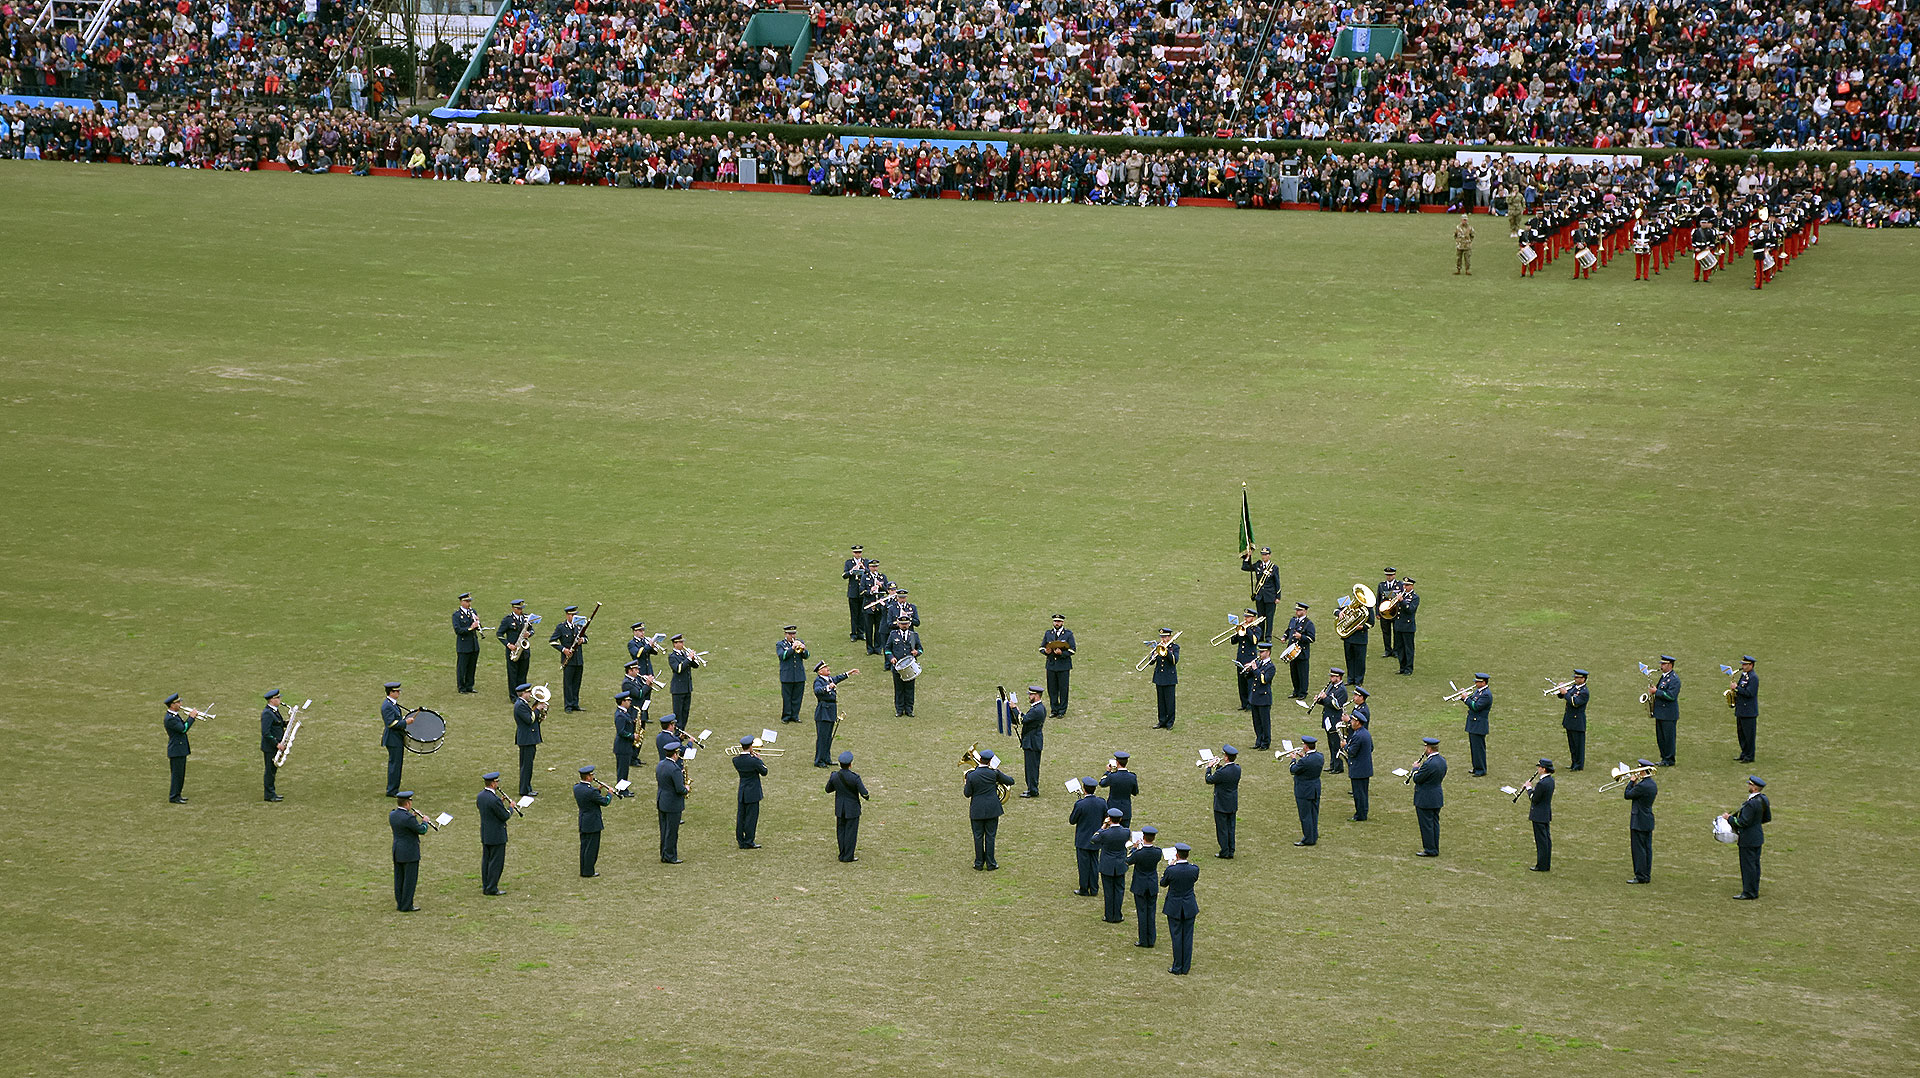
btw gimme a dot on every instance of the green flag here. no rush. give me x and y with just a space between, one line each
1246 525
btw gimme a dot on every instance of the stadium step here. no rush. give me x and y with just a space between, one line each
87 18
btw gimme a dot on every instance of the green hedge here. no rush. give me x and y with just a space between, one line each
1406 150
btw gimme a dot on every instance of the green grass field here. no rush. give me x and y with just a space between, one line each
260 430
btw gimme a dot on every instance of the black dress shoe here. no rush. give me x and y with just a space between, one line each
993 866
1143 945
823 765
410 909
669 860
1029 793
851 860
1304 842
1424 853
589 875
977 866
276 797
1535 868
1114 920
493 894
750 846
1636 879
177 800
1746 898
1476 774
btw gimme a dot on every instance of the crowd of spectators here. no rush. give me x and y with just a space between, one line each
318 140
1835 74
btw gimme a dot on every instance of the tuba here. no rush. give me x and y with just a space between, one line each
1353 616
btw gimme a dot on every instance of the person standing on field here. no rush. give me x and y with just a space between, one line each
1463 246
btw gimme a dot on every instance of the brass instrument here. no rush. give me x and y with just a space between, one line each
1353 617
1457 694
1388 605
697 658
197 715
293 728
541 696
519 646
1155 650
970 759
1653 678
1237 626
1727 693
757 750
882 601
1624 774
1557 689
423 818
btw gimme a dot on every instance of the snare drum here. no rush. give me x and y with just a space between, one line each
1723 831
907 668
1707 259
426 733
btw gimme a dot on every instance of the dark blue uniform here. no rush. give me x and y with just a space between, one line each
1751 835
664 738
1665 707
570 642
1575 722
981 788
507 635
526 734
826 712
1145 887
1260 699
1182 909
902 644
877 626
466 648
494 814
670 776
1640 826
1263 590
1166 675
1746 712
855 574
643 649
407 829
1386 589
1404 628
848 791
1306 794
680 684
1033 739
178 749
1540 813
793 676
746 815
1246 648
626 732
1086 817
1121 785
1225 781
1428 801
1111 842
1300 628
1059 668
273 727
1479 701
1360 762
1333 702
590 799
393 735
1354 648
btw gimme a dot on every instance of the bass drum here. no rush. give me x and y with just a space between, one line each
907 668
426 732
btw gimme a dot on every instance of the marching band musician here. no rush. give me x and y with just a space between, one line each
854 572
1246 647
1428 798
407 826
1306 770
875 586
273 730
1111 840
1388 588
1540 814
682 662
568 639
669 734
1575 720
1166 675
1260 696
1059 663
526 733
1665 709
1088 814
670 776
1479 703
466 643
1640 793
642 649
792 653
1121 784
1643 234
1704 239
507 636
902 643
1225 780
591 799
1180 907
1747 823
746 814
1354 649
1746 709
1145 885
1300 631
1582 241
1265 587
1360 754
848 790
904 609
1404 626
394 721
1033 739
494 814
826 709
981 788
637 686
177 723
1333 701
627 724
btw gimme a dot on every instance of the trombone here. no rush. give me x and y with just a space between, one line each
1235 625
757 749
1624 774
1155 650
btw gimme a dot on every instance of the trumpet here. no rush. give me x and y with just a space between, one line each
757 750
1236 626
1624 774
699 658
1155 650
1557 688
1457 694
423 817
198 715
293 728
